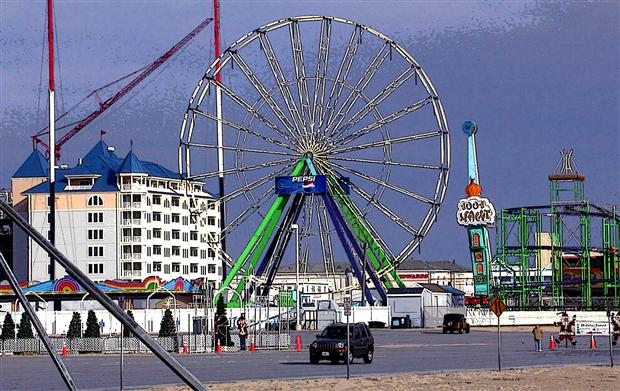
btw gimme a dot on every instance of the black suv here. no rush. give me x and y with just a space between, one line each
455 322
331 344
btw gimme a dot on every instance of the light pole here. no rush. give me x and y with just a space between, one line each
295 227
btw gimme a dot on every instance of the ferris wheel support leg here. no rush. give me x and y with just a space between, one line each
333 212
258 235
363 235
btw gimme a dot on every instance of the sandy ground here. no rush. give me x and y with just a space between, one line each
549 379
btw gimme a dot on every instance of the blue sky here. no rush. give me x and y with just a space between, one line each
536 77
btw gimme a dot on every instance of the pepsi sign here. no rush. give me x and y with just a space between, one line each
307 184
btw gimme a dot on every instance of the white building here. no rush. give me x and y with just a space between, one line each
118 219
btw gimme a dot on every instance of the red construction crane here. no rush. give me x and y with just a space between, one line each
104 105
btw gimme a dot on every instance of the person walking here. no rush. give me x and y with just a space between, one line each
242 326
538 335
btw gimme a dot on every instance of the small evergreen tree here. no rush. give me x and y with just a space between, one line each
8 327
126 332
25 328
75 326
92 326
223 328
167 328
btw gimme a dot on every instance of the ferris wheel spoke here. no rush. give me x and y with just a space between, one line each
235 170
241 128
276 70
385 184
239 149
373 102
251 186
383 121
383 143
384 163
358 89
249 211
264 93
341 77
300 77
322 65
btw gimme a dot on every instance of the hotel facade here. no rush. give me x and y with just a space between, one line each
118 218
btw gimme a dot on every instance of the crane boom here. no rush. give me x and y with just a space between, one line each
103 106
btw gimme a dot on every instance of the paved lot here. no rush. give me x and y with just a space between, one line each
397 351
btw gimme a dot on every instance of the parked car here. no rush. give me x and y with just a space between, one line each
455 322
331 344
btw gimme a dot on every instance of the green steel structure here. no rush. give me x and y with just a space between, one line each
326 128
562 254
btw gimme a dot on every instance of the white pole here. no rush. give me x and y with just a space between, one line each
298 298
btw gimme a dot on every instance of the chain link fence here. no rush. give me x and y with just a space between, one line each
192 343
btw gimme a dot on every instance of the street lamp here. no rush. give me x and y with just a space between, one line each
295 228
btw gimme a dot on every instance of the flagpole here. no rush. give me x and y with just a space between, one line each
52 135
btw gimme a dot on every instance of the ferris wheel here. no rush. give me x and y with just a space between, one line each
330 127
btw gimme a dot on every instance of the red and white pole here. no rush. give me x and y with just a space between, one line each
220 132
52 136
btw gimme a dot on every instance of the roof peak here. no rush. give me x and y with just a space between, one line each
35 166
132 165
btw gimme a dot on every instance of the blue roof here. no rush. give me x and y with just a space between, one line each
35 166
132 165
98 161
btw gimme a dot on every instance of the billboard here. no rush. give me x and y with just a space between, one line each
307 184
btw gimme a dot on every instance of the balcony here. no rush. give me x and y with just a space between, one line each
131 274
127 239
131 256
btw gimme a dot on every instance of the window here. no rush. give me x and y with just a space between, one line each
156 233
193 251
185 253
148 251
176 251
211 253
175 201
156 266
95 251
148 233
203 270
95 234
156 216
156 200
186 220
95 268
167 219
212 237
176 218
203 255
148 267
185 269
211 268
166 269
166 204
166 235
211 205
192 203
95 217
211 220
95 201
193 235
176 234
185 236
167 252
176 268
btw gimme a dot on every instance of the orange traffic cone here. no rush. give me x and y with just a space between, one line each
551 343
298 344
65 352
184 347
252 347
218 348
592 342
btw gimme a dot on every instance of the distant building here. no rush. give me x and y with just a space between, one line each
315 284
118 218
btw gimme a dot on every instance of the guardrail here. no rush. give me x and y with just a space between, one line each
195 343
